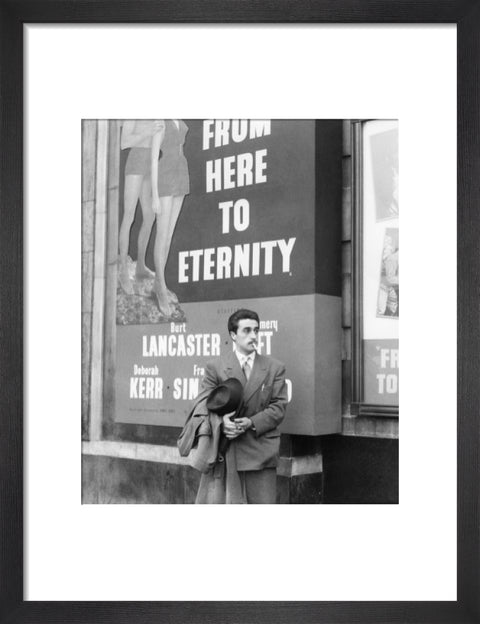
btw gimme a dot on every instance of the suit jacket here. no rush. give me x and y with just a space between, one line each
265 400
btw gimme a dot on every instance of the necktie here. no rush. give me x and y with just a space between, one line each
246 369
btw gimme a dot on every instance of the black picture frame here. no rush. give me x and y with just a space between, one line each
13 15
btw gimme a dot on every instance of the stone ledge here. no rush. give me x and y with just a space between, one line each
287 467
381 427
136 451
297 466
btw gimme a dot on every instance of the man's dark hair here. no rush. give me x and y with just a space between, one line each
238 316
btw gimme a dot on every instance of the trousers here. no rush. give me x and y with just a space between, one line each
259 486
254 487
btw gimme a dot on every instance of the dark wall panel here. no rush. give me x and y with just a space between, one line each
360 470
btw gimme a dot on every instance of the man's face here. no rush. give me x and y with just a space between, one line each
246 337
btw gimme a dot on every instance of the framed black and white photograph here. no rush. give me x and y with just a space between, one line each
201 313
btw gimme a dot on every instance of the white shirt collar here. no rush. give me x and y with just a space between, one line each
243 358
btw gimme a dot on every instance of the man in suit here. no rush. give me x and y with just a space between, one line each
255 436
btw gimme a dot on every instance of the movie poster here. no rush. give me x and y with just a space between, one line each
381 304
215 215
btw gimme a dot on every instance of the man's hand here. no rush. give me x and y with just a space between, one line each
243 423
230 429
